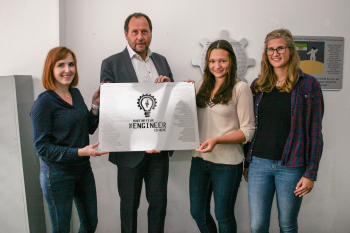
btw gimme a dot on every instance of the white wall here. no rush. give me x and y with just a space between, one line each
94 31
28 30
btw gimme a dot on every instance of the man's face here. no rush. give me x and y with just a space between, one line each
139 35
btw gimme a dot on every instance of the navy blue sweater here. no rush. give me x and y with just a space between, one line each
60 129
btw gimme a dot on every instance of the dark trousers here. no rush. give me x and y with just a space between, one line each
60 188
221 179
154 170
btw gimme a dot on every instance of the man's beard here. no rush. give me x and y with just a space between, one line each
140 51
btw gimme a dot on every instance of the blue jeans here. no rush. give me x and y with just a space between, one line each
221 179
60 188
264 178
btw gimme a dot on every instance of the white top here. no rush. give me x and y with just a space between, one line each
224 119
144 69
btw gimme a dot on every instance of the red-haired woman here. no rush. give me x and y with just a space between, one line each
61 126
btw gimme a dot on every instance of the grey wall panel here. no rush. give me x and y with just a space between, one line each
31 165
21 200
13 214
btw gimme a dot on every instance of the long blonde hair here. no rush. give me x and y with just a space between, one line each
267 77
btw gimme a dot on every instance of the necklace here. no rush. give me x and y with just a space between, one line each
211 104
279 83
65 95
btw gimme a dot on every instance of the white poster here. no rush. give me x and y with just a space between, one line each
146 116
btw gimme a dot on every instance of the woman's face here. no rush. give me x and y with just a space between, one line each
64 71
278 60
219 63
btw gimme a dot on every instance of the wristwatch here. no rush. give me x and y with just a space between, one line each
95 106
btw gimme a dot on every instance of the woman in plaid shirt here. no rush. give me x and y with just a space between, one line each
286 150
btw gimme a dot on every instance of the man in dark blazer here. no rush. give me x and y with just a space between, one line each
138 64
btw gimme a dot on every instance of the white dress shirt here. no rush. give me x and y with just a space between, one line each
144 69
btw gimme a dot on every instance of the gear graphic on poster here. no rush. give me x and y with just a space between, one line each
243 62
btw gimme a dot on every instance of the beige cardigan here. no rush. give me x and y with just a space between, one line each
224 119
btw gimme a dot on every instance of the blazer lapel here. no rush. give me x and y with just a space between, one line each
129 66
158 65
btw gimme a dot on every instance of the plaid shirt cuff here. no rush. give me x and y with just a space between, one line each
310 175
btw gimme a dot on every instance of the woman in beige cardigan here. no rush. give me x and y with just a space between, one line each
226 120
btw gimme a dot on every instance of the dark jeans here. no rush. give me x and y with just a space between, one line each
60 188
154 170
221 179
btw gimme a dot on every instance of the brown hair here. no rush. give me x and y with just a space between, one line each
267 77
54 56
224 94
136 15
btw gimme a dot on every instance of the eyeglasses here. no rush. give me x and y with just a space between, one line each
279 50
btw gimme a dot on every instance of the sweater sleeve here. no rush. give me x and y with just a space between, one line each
41 118
245 110
92 119
93 122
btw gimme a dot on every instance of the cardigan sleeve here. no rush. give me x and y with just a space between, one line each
245 110
248 146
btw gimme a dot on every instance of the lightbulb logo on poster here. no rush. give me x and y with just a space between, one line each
147 102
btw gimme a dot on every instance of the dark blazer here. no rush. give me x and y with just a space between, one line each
119 69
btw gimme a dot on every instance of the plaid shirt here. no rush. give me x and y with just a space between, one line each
304 144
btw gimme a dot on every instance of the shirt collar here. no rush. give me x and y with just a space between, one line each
132 53
301 76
